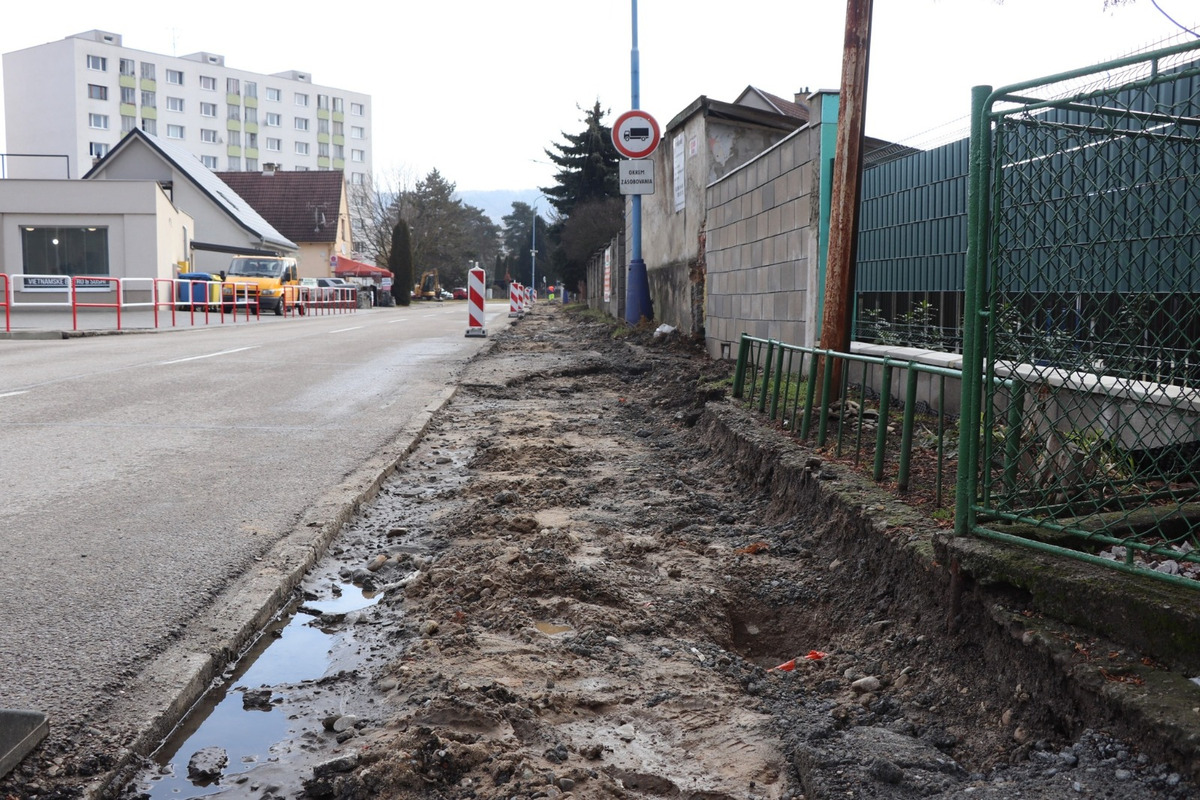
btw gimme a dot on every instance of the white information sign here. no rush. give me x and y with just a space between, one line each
680 156
636 176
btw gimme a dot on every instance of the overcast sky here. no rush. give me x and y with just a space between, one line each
480 88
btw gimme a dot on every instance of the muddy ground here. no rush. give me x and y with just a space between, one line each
584 589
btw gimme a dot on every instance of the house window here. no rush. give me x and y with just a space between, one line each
357 132
235 112
175 77
98 63
337 104
64 251
150 126
356 109
274 120
251 89
275 95
147 71
209 161
208 83
357 156
128 67
301 123
174 104
174 131
97 149
233 86
98 121
274 145
128 95
208 109
208 135
301 148
96 92
149 100
301 99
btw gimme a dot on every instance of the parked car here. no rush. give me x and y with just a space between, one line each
460 293
445 295
331 284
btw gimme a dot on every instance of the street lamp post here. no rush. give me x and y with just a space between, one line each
533 254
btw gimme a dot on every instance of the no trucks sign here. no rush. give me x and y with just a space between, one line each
635 134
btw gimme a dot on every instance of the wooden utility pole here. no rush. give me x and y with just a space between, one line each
847 172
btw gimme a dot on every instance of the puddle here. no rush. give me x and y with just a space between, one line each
292 650
553 629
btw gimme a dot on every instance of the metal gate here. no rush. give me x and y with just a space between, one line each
1081 407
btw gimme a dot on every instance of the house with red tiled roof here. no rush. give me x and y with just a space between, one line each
309 207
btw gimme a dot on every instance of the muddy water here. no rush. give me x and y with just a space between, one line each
245 715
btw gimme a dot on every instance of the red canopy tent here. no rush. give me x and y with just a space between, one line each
349 268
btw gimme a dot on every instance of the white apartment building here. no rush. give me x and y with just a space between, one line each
66 103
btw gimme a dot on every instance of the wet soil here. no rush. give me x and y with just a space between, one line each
584 585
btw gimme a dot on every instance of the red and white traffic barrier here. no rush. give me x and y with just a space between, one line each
475 303
515 308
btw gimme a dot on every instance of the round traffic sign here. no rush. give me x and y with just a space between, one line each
635 134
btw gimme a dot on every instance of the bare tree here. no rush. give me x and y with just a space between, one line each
374 212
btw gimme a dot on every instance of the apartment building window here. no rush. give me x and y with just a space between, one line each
339 151
251 89
356 109
235 163
356 178
252 165
208 83
208 110
128 123
251 115
339 128
252 141
323 101
64 251
175 77
149 100
357 132
301 99
147 70
301 123
337 104
301 148
322 150
209 161
235 138
274 95
274 145
235 112
274 120
128 67
128 95
233 86
175 104
97 63
208 135
357 156
174 131
96 92
98 121
322 126
150 126
97 149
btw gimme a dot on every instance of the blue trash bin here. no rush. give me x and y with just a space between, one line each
194 293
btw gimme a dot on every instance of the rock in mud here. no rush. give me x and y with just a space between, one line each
207 765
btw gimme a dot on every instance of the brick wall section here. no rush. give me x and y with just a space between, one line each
762 247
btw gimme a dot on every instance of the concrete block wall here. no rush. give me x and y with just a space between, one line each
762 247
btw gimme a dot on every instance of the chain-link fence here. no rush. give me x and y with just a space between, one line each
1084 294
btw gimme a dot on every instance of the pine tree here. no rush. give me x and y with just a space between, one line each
587 164
401 264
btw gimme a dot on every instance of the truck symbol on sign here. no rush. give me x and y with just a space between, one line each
637 133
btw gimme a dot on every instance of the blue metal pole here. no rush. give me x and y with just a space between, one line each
637 290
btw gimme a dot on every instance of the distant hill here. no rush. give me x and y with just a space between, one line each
497 203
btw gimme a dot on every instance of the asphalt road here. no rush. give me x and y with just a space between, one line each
159 492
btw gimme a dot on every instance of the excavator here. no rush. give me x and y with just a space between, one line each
430 286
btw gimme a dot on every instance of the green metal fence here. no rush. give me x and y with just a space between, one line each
1083 293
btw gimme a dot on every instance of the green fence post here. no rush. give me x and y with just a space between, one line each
739 373
885 398
906 434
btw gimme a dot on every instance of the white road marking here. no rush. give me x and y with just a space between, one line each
14 394
343 330
209 355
